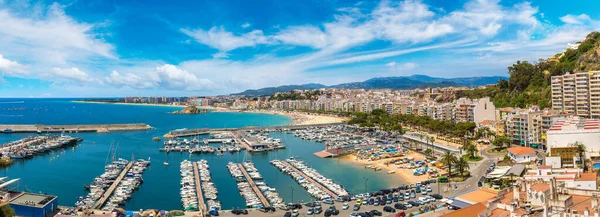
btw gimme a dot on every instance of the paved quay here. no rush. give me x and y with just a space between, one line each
199 192
333 195
100 128
112 187
257 191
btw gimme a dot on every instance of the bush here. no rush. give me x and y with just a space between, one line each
428 151
506 157
177 213
6 211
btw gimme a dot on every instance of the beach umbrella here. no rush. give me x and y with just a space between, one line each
129 213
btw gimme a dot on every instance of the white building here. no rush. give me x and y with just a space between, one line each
567 132
573 178
522 154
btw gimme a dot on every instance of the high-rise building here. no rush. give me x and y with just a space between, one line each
577 93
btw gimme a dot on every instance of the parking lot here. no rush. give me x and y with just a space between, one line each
396 200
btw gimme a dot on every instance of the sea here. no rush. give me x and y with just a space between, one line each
65 172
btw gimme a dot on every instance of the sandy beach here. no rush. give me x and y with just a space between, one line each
302 118
406 175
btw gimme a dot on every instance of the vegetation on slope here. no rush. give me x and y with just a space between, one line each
529 83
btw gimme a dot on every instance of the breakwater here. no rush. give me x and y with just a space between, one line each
100 128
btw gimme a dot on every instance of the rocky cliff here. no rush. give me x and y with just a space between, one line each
192 109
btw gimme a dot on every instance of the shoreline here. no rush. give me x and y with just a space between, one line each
297 118
405 175
133 104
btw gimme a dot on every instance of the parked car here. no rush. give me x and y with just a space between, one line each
389 209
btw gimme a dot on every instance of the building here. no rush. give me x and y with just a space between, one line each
577 93
573 178
467 110
522 154
564 135
34 205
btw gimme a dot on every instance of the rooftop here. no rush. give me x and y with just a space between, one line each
470 211
520 150
32 200
587 177
479 195
540 187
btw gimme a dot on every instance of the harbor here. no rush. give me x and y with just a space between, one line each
90 158
98 128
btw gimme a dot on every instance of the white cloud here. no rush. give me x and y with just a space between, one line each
402 67
70 74
172 77
572 19
246 25
222 40
309 36
50 37
129 79
11 68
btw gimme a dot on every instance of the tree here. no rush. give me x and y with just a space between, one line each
581 151
461 165
470 148
449 160
501 141
6 211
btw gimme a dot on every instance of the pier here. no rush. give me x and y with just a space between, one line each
201 204
99 128
113 186
262 198
203 131
325 189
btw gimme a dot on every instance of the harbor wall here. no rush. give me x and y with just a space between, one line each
33 128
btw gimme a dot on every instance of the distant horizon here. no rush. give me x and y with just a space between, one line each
64 49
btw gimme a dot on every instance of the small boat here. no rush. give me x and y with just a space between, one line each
156 139
166 163
7 130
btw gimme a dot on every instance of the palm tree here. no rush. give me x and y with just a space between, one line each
581 151
461 165
449 159
470 148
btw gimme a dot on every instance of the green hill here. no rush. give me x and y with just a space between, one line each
529 83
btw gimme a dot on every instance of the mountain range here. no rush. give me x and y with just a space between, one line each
402 82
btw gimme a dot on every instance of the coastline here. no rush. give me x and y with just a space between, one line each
298 118
403 175
133 104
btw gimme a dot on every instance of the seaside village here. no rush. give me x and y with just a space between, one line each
446 155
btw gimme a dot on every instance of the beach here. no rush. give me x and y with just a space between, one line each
302 118
405 175
298 118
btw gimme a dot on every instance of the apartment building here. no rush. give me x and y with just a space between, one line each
577 93
467 110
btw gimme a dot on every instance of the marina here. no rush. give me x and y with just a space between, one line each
189 197
126 185
31 146
249 192
103 185
210 191
90 156
269 193
250 180
312 187
198 184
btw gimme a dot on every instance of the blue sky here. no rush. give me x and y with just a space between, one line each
104 48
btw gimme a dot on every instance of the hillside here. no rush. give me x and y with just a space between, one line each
285 88
405 82
529 83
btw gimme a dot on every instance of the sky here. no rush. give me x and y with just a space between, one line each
115 48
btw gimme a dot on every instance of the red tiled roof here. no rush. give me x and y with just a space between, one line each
520 150
587 177
540 187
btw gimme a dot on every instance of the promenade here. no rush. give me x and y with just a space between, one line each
325 189
262 198
199 192
202 131
112 187
100 128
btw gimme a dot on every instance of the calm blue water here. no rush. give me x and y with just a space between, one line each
63 173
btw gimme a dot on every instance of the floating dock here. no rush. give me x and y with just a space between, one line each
324 154
257 191
100 128
325 189
203 131
201 204
112 187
